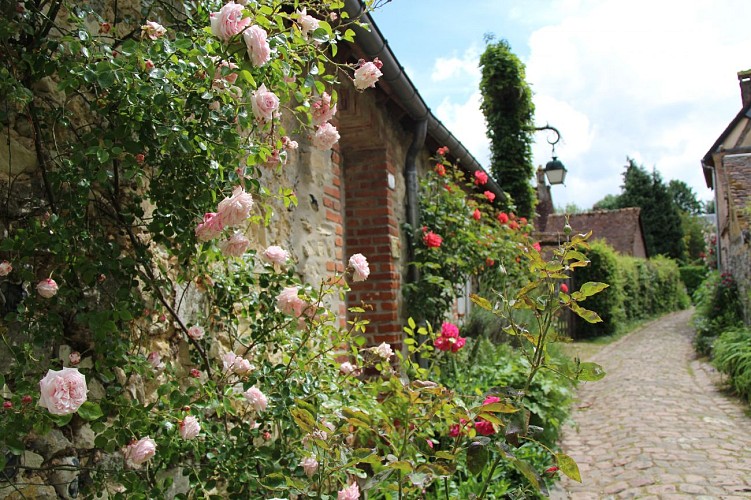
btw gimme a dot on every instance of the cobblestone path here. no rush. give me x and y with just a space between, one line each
657 427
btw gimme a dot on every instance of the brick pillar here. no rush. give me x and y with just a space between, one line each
372 229
371 161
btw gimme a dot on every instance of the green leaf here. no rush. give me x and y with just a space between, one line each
401 465
445 455
588 289
90 411
481 302
586 314
477 458
102 155
527 471
248 77
61 420
568 466
499 407
303 419
590 372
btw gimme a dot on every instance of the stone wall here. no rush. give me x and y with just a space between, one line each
737 170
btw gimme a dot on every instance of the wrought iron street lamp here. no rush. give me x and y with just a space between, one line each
554 169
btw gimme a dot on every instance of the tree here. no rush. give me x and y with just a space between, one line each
609 202
508 109
661 219
684 197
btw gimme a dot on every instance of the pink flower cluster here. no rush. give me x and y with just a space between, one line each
236 364
322 110
264 104
276 255
256 398
152 30
306 22
481 178
449 339
289 302
367 73
483 427
229 22
231 212
351 492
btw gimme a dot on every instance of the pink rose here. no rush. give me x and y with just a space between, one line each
360 268
152 30
289 302
325 137
536 245
189 427
228 22
256 398
322 110
564 288
367 74
230 78
484 428
155 360
139 451
288 144
276 254
63 391
235 210
384 351
477 215
480 177
236 364
74 358
309 465
306 23
347 368
47 288
351 492
149 64
491 399
503 217
490 195
195 332
5 268
264 103
258 47
236 246
210 228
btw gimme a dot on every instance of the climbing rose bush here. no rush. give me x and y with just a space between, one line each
63 391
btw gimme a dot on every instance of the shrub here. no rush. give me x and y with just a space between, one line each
639 289
718 308
731 354
692 276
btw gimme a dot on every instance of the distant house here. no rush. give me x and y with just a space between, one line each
727 170
621 229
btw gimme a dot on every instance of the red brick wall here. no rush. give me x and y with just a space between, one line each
371 222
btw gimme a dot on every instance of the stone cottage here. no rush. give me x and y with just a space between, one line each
727 170
357 198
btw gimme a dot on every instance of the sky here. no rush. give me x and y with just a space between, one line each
654 80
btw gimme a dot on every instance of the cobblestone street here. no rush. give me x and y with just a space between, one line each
657 427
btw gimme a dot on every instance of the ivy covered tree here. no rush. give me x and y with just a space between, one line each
509 111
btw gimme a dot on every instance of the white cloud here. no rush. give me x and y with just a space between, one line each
655 80
466 121
446 68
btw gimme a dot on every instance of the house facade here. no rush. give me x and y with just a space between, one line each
727 171
357 197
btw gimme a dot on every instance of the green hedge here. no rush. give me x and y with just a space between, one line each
639 289
693 276
731 354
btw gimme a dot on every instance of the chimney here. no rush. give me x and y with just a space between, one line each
544 202
744 78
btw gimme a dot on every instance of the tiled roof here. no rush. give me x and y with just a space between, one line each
620 228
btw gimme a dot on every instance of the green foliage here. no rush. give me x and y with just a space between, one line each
663 233
509 113
695 231
692 277
731 354
484 249
718 309
640 289
609 202
684 197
